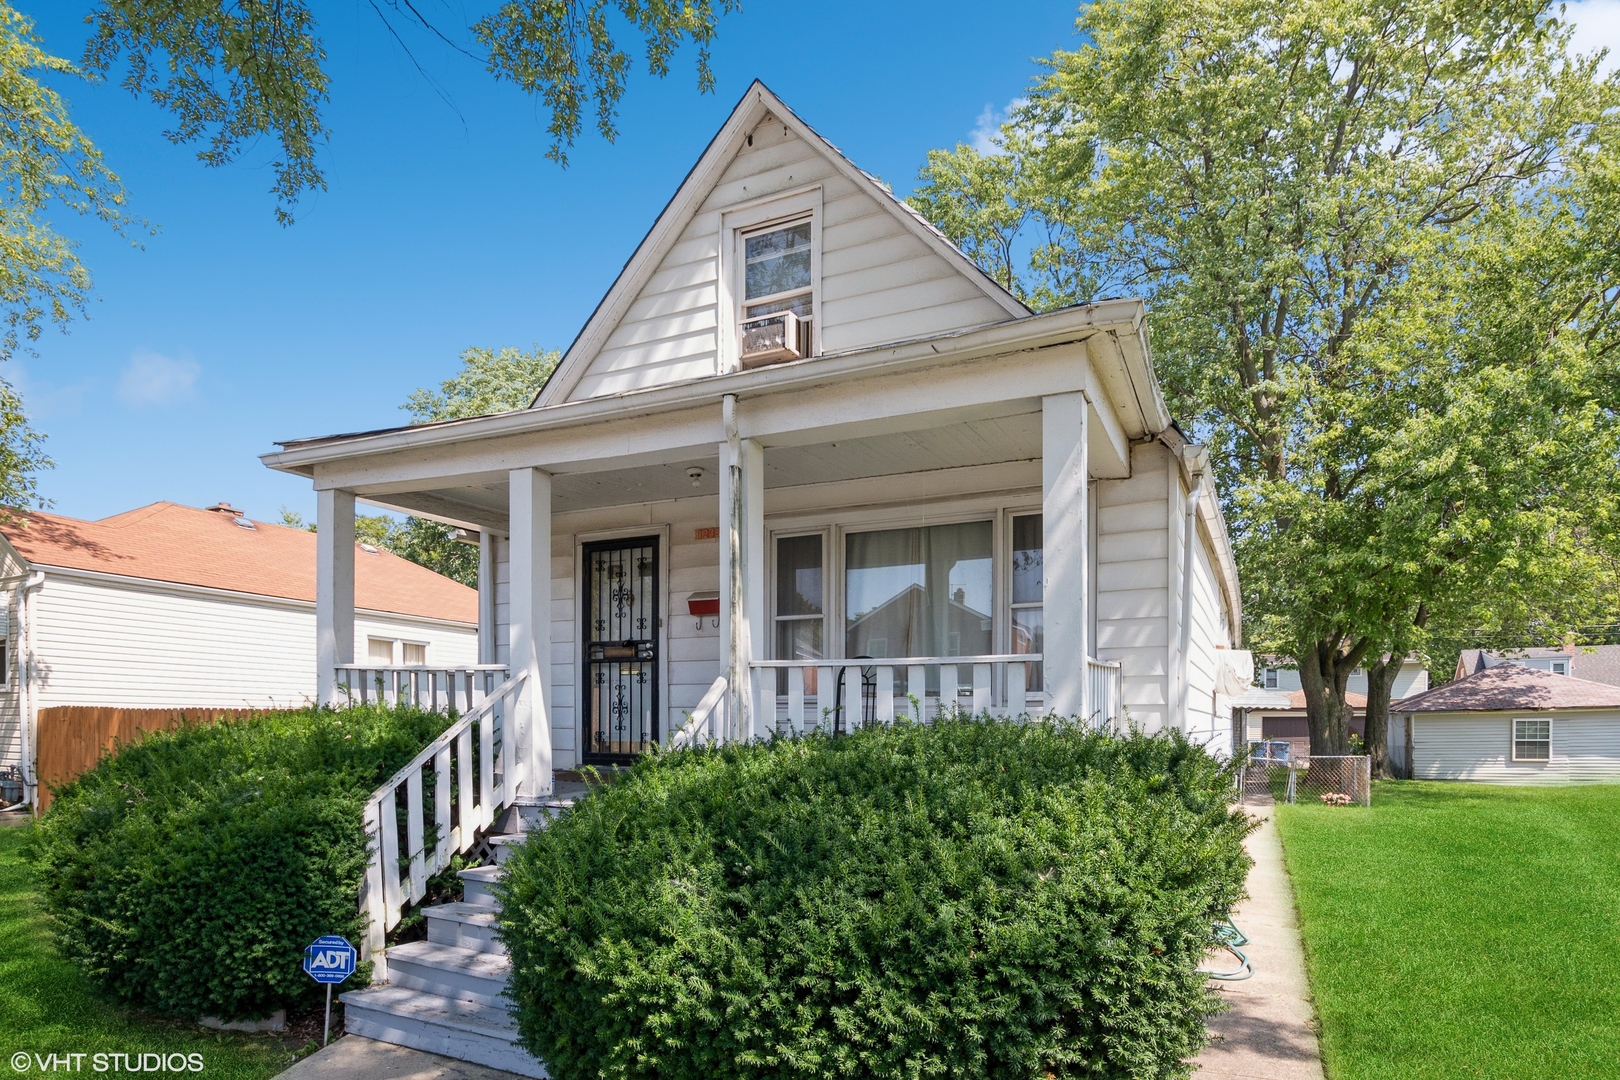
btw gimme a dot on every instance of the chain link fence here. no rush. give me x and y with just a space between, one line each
1333 780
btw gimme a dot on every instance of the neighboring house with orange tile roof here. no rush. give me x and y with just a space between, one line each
1511 724
172 606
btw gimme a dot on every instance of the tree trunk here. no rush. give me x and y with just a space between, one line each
1380 681
1324 671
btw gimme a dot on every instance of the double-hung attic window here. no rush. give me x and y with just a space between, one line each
778 305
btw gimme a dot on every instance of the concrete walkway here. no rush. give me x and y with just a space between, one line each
1269 1032
356 1058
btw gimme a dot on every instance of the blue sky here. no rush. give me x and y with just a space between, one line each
443 227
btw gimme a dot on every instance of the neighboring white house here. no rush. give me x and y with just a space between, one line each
805 465
172 606
1510 724
1280 712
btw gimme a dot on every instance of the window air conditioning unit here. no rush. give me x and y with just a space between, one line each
774 338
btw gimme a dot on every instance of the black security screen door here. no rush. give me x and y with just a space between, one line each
621 648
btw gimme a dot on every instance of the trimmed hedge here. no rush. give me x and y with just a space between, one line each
970 898
187 872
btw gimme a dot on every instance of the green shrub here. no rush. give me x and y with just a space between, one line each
971 898
187 872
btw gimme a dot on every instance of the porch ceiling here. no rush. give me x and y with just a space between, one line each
977 442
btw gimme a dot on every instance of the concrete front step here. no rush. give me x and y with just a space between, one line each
467 1030
478 885
466 926
450 972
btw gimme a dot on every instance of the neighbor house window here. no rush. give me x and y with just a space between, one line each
1028 624
380 651
415 655
778 305
919 592
1532 740
799 605
1271 678
1560 667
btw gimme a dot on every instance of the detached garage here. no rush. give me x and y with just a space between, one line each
1510 725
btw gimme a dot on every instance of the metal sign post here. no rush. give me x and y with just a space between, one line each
329 960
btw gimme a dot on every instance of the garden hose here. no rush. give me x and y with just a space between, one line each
1231 938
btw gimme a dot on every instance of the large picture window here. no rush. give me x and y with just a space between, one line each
919 592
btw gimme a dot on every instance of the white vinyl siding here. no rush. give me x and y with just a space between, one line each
1134 552
879 282
1479 747
690 653
141 645
1209 719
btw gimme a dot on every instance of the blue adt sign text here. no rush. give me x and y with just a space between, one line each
330 959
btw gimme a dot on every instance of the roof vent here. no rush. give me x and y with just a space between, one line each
369 549
244 523
225 508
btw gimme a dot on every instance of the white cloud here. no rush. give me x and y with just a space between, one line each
1597 26
987 128
152 379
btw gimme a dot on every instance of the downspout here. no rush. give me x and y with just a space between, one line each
25 703
1188 535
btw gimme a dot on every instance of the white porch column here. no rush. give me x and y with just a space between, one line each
486 597
1065 600
529 508
742 571
334 589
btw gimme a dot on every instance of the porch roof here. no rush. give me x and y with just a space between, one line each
1124 370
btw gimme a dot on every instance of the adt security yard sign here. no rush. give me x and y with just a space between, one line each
330 960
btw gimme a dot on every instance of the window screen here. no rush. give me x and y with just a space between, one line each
1028 614
1532 740
799 620
776 274
415 654
380 651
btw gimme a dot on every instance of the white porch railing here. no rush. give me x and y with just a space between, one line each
879 691
452 789
456 689
706 724
1107 690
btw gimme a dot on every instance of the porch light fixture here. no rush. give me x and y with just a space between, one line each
695 475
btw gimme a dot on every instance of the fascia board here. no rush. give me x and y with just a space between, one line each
1035 331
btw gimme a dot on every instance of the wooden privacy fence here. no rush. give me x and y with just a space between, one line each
72 738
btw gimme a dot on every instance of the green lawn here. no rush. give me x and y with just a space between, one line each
47 1007
1460 930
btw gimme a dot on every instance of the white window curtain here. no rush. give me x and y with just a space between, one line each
919 592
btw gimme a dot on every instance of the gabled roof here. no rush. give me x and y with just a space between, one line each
1513 688
1597 663
756 103
207 548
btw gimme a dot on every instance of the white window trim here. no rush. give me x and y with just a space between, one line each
1513 738
774 617
750 217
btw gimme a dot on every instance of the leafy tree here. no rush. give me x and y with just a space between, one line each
233 71
1378 244
489 382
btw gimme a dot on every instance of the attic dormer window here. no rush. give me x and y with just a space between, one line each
778 306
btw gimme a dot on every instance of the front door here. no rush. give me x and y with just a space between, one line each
621 649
